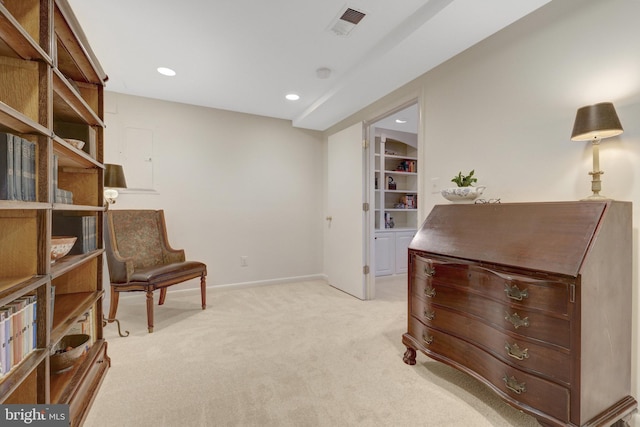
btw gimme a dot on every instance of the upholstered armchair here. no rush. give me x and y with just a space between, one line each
140 258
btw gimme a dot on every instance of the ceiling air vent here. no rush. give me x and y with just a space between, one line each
346 21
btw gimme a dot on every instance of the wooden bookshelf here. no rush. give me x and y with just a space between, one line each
49 74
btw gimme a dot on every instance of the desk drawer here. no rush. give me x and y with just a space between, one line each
506 317
551 294
512 383
551 363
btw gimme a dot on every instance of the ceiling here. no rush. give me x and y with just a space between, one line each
246 55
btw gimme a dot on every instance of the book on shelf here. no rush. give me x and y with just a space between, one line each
28 170
6 167
59 195
55 173
81 226
17 168
4 315
63 196
18 329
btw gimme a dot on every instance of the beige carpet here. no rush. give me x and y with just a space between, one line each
301 354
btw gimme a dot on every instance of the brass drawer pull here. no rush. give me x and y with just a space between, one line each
429 314
429 291
429 271
516 321
513 384
428 339
514 293
514 351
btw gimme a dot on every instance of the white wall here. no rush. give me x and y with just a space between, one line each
506 107
231 185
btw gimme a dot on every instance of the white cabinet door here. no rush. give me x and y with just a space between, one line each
385 253
403 239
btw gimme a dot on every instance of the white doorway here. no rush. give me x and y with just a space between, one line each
394 182
360 205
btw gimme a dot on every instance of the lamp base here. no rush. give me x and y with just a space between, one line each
595 197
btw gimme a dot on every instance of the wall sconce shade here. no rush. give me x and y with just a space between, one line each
114 176
596 122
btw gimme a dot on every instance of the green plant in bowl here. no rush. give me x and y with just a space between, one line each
464 180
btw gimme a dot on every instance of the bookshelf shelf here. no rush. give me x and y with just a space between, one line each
17 42
69 308
396 205
50 82
69 105
71 262
72 157
14 121
15 287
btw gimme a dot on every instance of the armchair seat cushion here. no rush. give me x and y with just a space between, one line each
165 273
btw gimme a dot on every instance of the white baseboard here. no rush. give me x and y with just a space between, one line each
269 282
240 285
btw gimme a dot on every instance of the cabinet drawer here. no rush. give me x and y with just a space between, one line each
551 363
510 382
506 317
548 295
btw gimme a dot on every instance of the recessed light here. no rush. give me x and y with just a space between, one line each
166 71
401 121
292 96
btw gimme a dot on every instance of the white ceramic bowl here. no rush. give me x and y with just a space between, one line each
60 246
462 194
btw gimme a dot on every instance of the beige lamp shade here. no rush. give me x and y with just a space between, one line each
595 122
114 176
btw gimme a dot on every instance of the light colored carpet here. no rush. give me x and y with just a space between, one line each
297 354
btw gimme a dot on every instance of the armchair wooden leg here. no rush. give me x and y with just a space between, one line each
150 309
163 295
203 290
113 305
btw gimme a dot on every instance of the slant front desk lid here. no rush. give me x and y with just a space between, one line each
550 236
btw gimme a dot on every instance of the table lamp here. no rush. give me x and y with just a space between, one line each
593 123
113 178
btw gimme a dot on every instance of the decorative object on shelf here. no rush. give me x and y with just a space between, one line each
67 352
75 143
388 220
113 178
391 184
60 246
594 122
465 192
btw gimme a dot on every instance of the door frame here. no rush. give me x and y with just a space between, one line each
369 189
